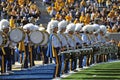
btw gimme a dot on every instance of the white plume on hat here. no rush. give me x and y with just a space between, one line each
41 27
48 28
88 28
29 26
103 28
51 25
62 24
78 26
4 24
70 27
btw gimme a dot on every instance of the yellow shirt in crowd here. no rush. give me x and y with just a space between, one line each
114 30
70 1
59 5
68 18
12 23
83 3
109 29
82 18
34 7
100 1
57 15
21 2
76 21
49 9
57 8
87 19
111 14
10 1
95 15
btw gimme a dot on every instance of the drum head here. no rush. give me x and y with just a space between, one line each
16 35
46 38
36 37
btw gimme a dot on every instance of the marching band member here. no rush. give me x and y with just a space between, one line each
78 42
95 44
103 39
27 53
12 25
6 50
43 48
71 43
54 45
92 42
33 46
86 41
102 34
61 29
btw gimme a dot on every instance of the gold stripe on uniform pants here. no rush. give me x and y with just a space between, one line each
3 61
3 69
30 50
57 62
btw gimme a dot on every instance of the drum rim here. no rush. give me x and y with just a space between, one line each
20 30
45 32
32 41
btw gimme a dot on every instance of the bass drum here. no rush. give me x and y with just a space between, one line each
16 35
3 39
46 38
36 37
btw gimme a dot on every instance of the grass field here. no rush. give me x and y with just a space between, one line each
104 71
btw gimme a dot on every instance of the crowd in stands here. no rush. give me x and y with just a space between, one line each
86 11
19 12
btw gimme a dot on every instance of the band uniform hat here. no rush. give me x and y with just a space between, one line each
28 26
88 28
78 26
36 27
70 27
62 24
51 25
4 24
103 29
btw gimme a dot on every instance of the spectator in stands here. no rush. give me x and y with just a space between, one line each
12 22
19 10
24 21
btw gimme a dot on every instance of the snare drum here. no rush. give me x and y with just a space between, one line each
36 37
3 39
16 35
